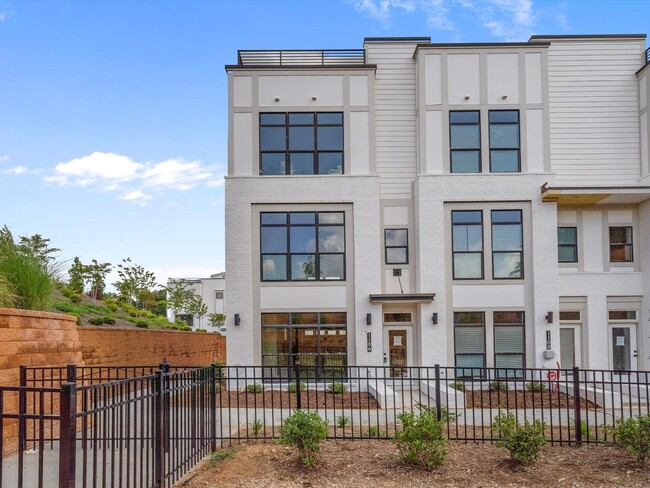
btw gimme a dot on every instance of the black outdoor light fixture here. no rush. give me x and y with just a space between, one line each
549 318
368 319
236 319
434 318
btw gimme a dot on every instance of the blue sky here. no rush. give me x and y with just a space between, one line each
113 114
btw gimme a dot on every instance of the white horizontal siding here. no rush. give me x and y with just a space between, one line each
395 127
593 105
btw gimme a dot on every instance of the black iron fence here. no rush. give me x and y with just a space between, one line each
149 430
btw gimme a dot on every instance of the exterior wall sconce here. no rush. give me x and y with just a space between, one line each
504 97
314 98
549 317
434 318
237 321
466 97
277 99
368 319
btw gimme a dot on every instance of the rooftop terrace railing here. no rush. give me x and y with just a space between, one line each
294 57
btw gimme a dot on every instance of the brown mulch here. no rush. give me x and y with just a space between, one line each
519 399
352 464
284 399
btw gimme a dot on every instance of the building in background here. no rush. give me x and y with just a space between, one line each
212 290
414 203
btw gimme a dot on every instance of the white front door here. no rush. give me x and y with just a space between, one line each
623 347
398 349
570 352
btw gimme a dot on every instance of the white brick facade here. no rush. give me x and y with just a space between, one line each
395 105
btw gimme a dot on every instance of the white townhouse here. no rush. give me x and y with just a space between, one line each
212 290
414 203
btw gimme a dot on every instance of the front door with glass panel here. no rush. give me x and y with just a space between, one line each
623 347
397 350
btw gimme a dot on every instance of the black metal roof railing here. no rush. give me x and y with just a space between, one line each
302 57
647 55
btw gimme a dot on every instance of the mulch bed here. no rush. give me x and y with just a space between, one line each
518 399
283 399
353 464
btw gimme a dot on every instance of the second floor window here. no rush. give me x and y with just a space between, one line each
507 244
465 141
567 244
396 246
505 154
467 244
301 143
620 245
302 246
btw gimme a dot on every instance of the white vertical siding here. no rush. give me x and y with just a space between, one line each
395 126
594 115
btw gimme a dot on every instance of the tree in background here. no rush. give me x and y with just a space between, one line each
178 296
38 247
217 319
95 274
197 307
76 275
136 284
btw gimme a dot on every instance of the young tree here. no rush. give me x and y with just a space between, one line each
38 247
177 296
197 308
217 319
96 277
76 275
135 283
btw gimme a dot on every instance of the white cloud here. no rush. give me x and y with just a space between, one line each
6 14
4 158
435 11
20 170
135 181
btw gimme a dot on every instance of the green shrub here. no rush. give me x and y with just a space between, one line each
111 304
458 385
342 421
31 282
186 328
223 454
374 431
257 427
304 430
523 441
142 324
292 387
337 388
498 385
96 320
7 296
220 369
255 388
70 293
421 441
632 435
535 386
108 320
201 330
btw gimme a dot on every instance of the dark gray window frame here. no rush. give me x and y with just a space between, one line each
503 324
518 148
316 253
484 353
451 151
626 244
521 223
573 246
315 152
482 252
387 247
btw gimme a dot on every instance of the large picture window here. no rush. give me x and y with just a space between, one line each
467 243
317 341
507 244
469 343
509 345
465 141
302 246
505 155
301 143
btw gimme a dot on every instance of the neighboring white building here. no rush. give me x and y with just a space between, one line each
401 204
211 289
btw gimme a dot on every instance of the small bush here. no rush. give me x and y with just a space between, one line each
305 431
108 320
96 320
142 324
523 441
420 441
337 388
632 435
342 421
374 431
201 330
292 387
535 386
256 388
223 454
498 385
458 385
257 427
186 328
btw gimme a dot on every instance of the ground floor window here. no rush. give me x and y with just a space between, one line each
317 341
509 344
469 340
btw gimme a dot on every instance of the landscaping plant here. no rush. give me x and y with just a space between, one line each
498 385
257 427
304 430
458 385
421 441
292 387
535 386
342 421
337 388
255 388
632 435
523 441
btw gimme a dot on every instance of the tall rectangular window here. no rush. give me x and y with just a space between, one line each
465 141
507 244
505 154
302 246
397 251
469 343
301 143
467 244
509 344
620 245
567 244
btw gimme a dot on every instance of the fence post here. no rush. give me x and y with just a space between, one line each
68 435
71 373
298 395
22 411
576 405
158 431
213 407
437 382
164 366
